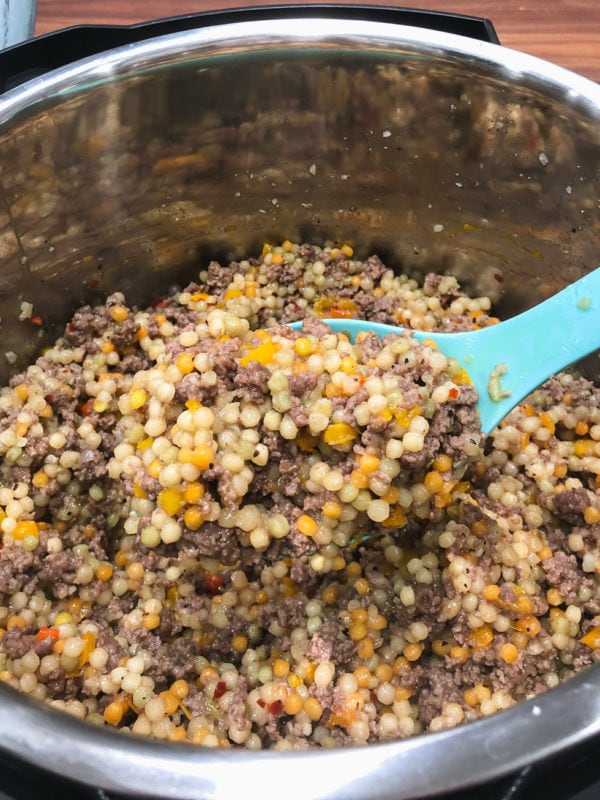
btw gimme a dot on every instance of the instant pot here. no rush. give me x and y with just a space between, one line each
129 156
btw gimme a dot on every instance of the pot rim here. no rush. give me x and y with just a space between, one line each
416 767
267 35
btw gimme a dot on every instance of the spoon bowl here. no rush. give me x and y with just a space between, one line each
507 361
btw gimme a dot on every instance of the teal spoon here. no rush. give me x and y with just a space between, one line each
507 361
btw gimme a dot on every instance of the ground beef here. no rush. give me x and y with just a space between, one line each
571 504
443 686
16 642
563 573
213 541
59 570
172 661
220 529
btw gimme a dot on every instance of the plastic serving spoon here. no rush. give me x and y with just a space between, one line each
507 361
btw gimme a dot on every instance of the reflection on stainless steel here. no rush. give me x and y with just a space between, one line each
129 170
418 767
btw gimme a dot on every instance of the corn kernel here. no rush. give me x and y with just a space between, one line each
396 519
113 713
548 422
491 592
442 463
281 668
40 479
470 697
307 525
193 492
348 365
368 463
339 433
592 638
138 491
22 391
329 595
481 637
185 363
365 648
171 701
99 405
104 572
24 528
584 447
332 509
201 456
554 597
357 631
529 625
193 518
313 708
304 346
151 621
433 482
361 586
170 501
137 398
413 651
591 515
293 704
264 353
135 570
508 652
384 672
180 688
441 647
118 313
459 654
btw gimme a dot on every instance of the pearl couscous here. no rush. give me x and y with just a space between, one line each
221 531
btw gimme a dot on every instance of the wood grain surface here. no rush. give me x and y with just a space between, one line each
566 32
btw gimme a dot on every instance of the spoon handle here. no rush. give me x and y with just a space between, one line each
531 346
507 361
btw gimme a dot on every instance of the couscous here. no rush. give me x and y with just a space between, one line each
219 530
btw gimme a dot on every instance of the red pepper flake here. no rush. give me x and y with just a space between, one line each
499 278
453 393
94 283
260 702
162 303
220 690
36 320
276 708
86 408
213 582
45 633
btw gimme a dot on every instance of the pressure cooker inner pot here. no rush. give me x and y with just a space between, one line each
132 176
132 171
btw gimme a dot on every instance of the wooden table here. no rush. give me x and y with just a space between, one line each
566 32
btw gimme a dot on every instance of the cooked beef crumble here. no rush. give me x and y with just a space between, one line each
220 530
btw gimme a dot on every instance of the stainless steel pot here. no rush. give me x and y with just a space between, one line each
125 169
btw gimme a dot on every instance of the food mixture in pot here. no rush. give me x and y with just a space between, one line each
219 530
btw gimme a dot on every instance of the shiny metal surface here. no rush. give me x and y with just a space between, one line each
129 170
416 768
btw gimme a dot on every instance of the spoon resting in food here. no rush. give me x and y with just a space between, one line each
507 361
